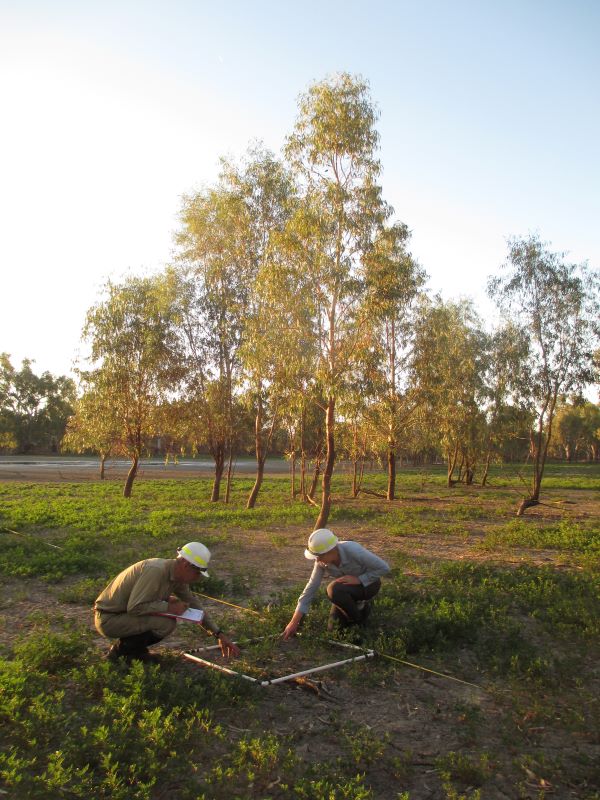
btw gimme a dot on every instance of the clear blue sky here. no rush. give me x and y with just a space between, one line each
112 109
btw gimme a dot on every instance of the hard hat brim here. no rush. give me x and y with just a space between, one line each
309 555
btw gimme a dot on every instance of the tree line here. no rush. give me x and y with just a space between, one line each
294 310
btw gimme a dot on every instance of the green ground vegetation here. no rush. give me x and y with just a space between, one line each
512 607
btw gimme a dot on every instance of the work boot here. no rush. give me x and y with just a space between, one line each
134 647
366 611
114 653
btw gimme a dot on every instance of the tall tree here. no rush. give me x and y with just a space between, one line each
213 281
266 191
394 280
135 358
333 152
557 304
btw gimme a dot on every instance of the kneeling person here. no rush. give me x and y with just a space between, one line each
357 574
127 608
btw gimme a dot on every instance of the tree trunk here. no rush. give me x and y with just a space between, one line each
303 475
329 463
131 477
260 471
526 502
229 474
219 467
293 473
391 487
452 459
486 469
103 458
540 444
260 458
315 480
354 477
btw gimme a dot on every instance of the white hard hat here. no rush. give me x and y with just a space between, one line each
320 541
197 554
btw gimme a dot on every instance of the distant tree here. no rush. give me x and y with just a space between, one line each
569 430
33 408
332 151
577 429
448 367
135 359
590 413
94 426
508 349
557 304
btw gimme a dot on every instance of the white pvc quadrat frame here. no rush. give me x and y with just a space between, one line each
364 654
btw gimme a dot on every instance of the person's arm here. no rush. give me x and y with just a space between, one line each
292 626
228 647
304 601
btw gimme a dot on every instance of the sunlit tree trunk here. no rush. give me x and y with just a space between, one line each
219 457
131 476
329 464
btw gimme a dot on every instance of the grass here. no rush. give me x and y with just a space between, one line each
74 725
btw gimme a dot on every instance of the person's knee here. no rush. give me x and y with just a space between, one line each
163 626
337 592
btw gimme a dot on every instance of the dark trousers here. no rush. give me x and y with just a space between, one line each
345 596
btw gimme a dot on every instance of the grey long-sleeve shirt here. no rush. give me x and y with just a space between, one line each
144 588
354 560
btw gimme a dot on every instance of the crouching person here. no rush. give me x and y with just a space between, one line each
127 608
357 578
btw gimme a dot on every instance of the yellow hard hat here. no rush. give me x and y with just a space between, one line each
320 541
197 554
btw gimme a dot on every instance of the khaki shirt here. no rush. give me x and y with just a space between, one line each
144 588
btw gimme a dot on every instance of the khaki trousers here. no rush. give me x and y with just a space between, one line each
119 626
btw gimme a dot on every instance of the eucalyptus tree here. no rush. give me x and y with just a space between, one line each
267 353
94 425
212 280
556 303
333 153
508 349
132 334
394 281
448 368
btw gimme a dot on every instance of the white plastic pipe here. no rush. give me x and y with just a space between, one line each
312 670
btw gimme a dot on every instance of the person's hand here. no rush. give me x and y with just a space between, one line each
228 648
176 606
290 630
351 580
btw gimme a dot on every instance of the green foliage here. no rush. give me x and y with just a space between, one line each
526 633
33 408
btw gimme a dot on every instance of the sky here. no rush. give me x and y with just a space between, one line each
113 109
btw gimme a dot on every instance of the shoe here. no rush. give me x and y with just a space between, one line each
114 653
366 613
145 656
